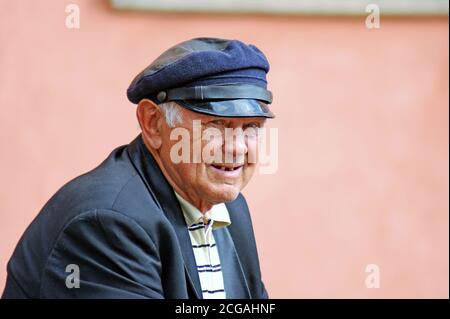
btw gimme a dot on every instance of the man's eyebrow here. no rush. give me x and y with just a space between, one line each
216 119
257 120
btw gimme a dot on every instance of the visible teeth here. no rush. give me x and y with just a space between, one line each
225 168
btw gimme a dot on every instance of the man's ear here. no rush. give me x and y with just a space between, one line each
150 120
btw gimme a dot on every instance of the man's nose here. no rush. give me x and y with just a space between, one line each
235 147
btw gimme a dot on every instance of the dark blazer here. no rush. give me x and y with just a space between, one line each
122 225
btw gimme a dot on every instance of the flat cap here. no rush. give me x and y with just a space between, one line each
208 75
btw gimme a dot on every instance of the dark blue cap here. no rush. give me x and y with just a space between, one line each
207 70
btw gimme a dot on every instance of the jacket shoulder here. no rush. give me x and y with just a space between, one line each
114 185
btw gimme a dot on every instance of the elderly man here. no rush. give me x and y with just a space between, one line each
144 224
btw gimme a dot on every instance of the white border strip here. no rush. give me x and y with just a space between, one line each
307 7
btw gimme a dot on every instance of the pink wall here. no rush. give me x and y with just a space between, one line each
363 126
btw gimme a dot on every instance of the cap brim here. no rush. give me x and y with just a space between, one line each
229 108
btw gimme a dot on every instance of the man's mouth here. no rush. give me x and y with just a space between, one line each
228 168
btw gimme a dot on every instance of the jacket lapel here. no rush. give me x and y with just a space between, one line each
164 196
236 286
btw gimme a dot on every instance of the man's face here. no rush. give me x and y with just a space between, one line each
225 164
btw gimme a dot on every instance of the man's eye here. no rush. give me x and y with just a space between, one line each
252 125
217 122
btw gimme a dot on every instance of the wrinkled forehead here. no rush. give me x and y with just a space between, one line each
189 116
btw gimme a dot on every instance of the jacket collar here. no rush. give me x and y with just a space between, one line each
164 196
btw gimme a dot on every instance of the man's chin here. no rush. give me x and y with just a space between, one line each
223 193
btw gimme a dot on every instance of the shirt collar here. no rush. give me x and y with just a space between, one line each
218 214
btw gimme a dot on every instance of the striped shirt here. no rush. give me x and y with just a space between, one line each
206 255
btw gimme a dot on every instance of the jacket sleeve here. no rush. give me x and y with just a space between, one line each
103 254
